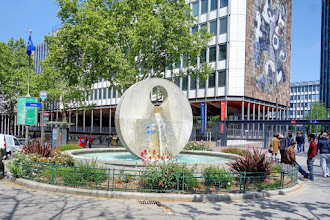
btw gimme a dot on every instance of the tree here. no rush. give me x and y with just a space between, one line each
14 77
59 94
318 111
125 41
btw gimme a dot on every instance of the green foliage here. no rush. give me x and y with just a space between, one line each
15 165
262 185
197 146
56 158
219 177
167 175
14 64
276 169
85 173
68 147
122 41
255 161
234 150
318 112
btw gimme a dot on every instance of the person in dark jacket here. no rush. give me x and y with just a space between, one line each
324 147
312 152
300 139
282 146
290 158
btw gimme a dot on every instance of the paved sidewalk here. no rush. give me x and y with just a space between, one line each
312 201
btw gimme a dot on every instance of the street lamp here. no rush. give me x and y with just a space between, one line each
43 96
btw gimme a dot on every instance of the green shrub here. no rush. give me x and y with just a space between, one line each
197 146
255 161
262 185
167 175
234 150
68 147
276 169
218 177
16 164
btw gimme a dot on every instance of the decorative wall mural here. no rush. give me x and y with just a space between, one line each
269 44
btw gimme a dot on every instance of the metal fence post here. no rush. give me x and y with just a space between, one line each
108 179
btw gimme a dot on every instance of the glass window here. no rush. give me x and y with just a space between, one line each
214 5
306 96
212 80
298 89
222 52
194 29
221 78
100 94
95 94
204 6
317 88
291 98
195 8
223 3
104 93
113 93
310 96
213 27
223 25
109 93
202 84
302 89
314 88
212 54
184 61
177 82
185 83
203 56
291 89
192 83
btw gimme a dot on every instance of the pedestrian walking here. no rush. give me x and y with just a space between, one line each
289 139
324 147
300 139
290 158
274 145
90 140
311 154
282 146
109 140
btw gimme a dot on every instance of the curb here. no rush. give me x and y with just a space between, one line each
156 196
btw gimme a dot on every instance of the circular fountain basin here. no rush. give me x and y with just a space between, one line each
120 157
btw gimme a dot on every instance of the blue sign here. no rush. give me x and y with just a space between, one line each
313 121
33 104
202 117
46 119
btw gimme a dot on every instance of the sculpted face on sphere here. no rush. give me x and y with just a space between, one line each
156 131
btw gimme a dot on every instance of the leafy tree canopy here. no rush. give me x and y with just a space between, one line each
125 41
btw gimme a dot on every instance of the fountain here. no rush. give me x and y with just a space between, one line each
160 131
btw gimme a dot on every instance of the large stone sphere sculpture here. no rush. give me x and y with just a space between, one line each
158 130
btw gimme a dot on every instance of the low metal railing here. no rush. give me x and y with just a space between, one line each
112 179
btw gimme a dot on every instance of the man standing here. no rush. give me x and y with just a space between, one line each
300 139
90 140
324 147
283 145
274 145
290 158
312 152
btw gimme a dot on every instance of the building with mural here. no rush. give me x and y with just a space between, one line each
325 54
250 54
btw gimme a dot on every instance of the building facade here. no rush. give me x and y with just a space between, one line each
250 54
302 95
325 54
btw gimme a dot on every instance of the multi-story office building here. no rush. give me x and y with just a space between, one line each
325 54
249 52
302 95
40 54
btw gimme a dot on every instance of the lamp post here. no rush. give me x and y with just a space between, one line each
43 96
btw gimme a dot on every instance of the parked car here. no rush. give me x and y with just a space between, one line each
8 144
21 141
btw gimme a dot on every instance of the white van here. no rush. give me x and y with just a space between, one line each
9 143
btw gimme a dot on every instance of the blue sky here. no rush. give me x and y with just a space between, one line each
17 17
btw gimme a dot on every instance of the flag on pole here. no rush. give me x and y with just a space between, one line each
30 46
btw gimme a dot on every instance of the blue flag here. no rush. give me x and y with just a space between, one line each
30 46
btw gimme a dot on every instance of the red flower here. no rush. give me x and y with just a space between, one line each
160 183
145 151
154 151
142 154
158 156
163 168
162 157
150 158
167 157
169 171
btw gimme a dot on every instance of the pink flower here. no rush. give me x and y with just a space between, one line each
145 152
154 151
169 171
150 158
160 183
163 168
167 157
162 157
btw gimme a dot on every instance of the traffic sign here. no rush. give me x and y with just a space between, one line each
46 119
28 104
46 114
293 122
43 95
